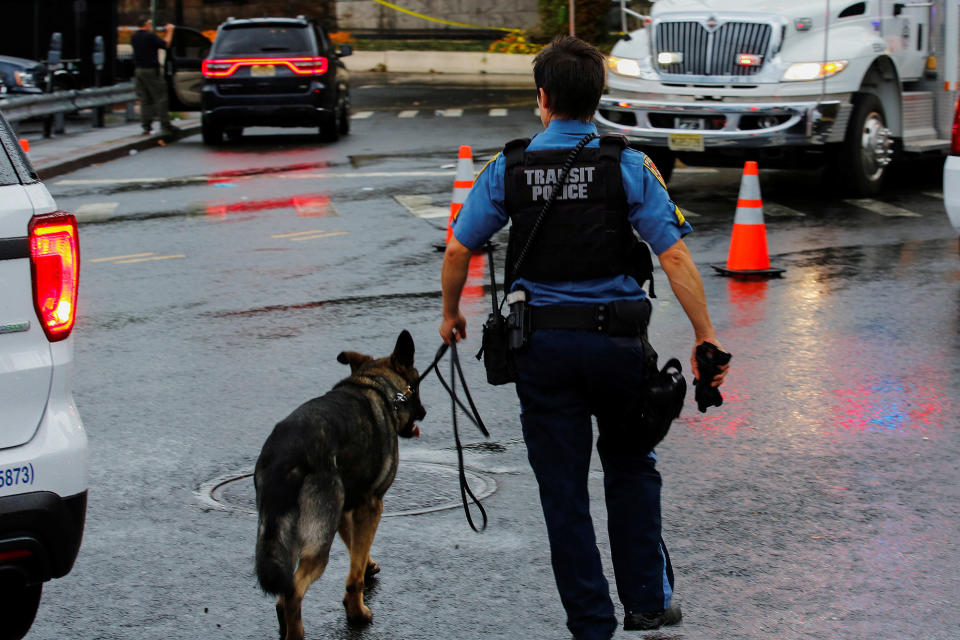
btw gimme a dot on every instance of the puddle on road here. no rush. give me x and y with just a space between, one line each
419 488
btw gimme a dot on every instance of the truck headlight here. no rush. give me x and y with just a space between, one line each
624 66
813 70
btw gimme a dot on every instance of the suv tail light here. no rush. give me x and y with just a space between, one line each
955 140
55 265
226 67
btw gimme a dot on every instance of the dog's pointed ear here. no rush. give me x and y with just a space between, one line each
403 351
354 359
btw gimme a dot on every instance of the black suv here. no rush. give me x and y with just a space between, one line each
279 72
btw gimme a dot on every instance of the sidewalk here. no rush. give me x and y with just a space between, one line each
83 145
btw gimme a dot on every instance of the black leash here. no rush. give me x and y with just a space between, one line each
472 414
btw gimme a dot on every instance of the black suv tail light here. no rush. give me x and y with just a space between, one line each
55 265
226 67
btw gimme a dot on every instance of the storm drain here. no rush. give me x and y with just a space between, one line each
420 487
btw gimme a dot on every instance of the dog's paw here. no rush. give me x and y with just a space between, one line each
358 616
372 569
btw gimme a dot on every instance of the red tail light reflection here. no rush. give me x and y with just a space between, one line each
302 66
306 206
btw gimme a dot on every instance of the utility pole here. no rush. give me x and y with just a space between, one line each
573 28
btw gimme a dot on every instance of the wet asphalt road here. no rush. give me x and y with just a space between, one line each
218 287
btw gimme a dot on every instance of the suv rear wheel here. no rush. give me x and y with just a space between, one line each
20 604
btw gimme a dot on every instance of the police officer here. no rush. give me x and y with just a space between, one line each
575 365
150 86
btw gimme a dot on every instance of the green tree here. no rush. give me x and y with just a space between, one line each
590 17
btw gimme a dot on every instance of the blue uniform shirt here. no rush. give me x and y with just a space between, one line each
655 217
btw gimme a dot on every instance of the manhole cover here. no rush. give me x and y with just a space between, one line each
420 487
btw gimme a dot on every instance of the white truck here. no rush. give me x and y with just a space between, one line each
841 84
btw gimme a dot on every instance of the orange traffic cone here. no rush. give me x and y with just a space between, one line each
462 183
748 257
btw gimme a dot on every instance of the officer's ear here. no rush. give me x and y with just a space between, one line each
543 98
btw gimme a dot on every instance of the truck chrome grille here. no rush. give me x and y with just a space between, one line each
711 54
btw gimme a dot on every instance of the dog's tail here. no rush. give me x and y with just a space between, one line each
277 546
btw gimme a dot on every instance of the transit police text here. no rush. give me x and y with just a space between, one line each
542 182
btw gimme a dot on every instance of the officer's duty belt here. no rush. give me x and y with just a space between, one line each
619 318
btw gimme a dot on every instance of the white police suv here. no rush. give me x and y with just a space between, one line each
43 446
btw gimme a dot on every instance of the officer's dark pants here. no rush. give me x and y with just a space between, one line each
152 94
564 377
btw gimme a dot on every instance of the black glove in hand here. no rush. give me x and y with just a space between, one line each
709 360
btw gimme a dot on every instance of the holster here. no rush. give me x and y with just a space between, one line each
663 397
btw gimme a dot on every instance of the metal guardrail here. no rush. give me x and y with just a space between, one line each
59 102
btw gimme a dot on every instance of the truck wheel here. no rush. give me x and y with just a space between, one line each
330 126
868 148
212 133
20 604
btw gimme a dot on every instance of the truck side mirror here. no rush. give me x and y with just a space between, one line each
54 55
98 54
898 8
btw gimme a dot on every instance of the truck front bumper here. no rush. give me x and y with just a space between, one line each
724 125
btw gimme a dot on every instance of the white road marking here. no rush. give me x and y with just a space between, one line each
933 194
361 115
112 258
412 113
319 235
297 233
452 113
882 208
422 206
779 211
96 211
695 170
151 258
497 113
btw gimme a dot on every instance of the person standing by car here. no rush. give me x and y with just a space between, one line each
583 357
151 89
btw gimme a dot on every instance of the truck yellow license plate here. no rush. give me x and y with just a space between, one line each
685 142
263 70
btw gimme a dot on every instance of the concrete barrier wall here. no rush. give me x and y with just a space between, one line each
366 15
441 62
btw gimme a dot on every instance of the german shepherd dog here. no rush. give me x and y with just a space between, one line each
324 469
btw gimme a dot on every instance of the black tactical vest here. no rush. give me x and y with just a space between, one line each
586 234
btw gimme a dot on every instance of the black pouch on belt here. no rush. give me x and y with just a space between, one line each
709 361
495 350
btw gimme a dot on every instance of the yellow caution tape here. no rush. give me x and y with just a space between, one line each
442 21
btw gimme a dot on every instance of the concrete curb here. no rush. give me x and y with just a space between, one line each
108 151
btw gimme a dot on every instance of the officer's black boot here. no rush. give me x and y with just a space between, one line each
652 619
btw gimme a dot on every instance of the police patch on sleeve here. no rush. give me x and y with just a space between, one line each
648 163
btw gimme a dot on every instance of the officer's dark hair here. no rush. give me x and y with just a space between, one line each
145 18
570 71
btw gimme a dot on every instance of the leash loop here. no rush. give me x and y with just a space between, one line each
471 413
